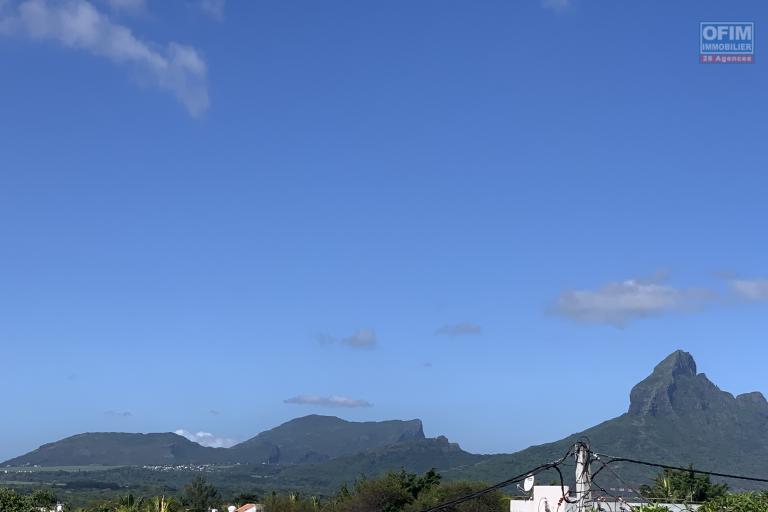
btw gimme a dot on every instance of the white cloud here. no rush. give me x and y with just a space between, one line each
327 401
460 329
206 439
622 302
362 338
750 289
77 24
213 8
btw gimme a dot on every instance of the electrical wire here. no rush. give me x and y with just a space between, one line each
505 483
637 491
605 465
617 499
618 477
677 468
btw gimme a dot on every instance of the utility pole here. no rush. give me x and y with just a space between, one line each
583 477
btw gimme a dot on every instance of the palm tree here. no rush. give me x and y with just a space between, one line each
129 503
161 504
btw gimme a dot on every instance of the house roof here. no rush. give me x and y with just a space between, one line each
246 507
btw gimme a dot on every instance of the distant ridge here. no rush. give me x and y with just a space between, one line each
676 415
316 438
312 438
119 449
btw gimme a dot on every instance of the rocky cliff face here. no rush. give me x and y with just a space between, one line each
676 416
674 389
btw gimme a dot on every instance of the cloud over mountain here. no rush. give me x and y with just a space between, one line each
206 439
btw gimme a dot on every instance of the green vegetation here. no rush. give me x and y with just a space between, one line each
10 501
399 491
676 416
743 502
310 439
683 486
316 438
200 496
394 492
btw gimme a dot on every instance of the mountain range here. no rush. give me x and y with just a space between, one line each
676 416
309 439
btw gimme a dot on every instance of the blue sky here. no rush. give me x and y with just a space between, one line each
217 216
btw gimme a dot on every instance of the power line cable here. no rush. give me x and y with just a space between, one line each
678 468
631 487
617 499
618 477
505 483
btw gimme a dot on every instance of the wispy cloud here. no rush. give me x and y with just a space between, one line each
460 329
118 414
213 8
750 289
77 24
127 5
206 439
327 401
556 5
362 339
622 302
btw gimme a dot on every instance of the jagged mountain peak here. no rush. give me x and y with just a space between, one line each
678 363
675 389
657 394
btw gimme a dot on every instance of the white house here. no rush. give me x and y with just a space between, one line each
251 507
549 498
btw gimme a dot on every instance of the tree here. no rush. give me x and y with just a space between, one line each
11 501
416 484
200 496
742 502
161 504
491 502
676 485
392 492
129 503
384 494
43 498
292 502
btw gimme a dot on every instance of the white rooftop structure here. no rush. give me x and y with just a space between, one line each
548 498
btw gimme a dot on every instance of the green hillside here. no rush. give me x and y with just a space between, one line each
676 416
119 449
416 456
315 438
309 439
